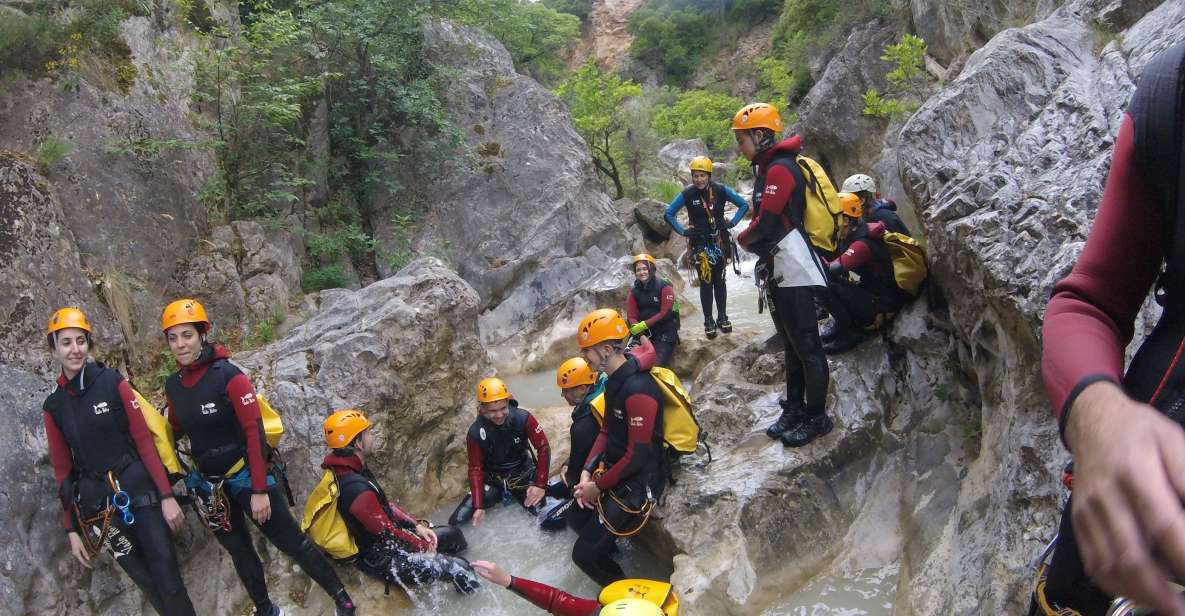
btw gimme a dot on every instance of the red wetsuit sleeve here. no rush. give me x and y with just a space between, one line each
142 438
598 447
402 515
1090 318
369 512
477 473
779 186
857 255
667 302
631 308
62 461
552 599
538 440
242 398
642 413
645 355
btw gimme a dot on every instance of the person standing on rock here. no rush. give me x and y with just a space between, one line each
875 208
652 308
791 280
501 462
392 546
1123 530
625 473
114 489
708 235
864 306
213 403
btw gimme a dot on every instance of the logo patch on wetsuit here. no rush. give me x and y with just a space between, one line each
209 408
517 440
538 429
101 408
771 190
248 399
617 414
636 422
482 433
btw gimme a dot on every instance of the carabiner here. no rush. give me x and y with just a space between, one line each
124 507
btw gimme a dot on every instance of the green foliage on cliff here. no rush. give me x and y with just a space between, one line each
535 34
700 114
597 99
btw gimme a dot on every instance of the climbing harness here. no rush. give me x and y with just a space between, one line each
210 502
96 529
643 511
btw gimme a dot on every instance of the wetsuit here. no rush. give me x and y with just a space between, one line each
884 211
1090 319
388 547
709 231
213 403
501 464
875 298
778 202
94 426
654 303
554 600
629 447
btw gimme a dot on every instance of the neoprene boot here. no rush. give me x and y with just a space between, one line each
710 329
844 341
807 431
828 330
792 415
725 325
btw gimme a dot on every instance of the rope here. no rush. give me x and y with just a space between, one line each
215 511
1047 608
94 544
644 511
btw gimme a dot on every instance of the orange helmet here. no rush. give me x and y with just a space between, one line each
66 318
850 204
574 373
492 390
758 115
601 325
183 311
342 427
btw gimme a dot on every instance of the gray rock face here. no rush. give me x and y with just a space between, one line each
676 156
952 29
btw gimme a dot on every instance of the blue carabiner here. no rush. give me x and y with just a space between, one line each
125 507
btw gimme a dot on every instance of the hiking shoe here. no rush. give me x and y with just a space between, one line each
843 342
345 609
710 329
807 431
791 417
828 331
725 325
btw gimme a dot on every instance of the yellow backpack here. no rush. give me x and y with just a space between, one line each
909 262
658 593
162 433
822 211
680 429
323 523
273 427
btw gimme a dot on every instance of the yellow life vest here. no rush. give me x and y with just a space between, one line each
658 593
322 521
162 433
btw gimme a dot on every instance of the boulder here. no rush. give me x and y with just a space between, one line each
953 29
677 155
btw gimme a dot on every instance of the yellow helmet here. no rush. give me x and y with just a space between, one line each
631 607
574 373
659 595
758 115
492 389
66 318
342 427
850 204
601 325
183 311
640 258
701 163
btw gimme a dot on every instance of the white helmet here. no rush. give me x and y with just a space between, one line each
857 183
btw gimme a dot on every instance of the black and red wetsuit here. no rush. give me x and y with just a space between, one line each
386 535
654 303
94 426
778 201
856 306
500 459
554 600
213 403
1090 319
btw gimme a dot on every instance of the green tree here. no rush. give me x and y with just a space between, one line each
579 8
908 58
535 35
596 99
699 114
671 41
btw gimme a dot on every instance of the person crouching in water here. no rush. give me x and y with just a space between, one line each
392 546
501 464
101 448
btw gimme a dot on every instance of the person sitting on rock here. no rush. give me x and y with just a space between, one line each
214 404
652 308
708 237
555 601
100 447
779 200
392 546
625 473
501 464
875 208
864 306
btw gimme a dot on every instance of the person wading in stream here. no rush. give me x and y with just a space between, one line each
392 546
786 270
709 238
652 308
1123 530
114 489
625 472
626 601
501 463
213 403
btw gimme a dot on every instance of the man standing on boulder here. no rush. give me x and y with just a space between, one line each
787 269
624 475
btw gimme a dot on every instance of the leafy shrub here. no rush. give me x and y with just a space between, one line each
700 114
51 150
321 278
